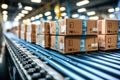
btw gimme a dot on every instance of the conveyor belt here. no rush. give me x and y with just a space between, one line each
93 65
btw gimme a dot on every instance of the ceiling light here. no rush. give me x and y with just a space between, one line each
32 18
75 16
18 17
24 12
36 1
5 12
19 5
20 14
116 9
49 17
5 16
81 3
28 8
48 13
37 17
111 15
4 6
91 13
94 17
62 9
40 15
82 10
82 17
63 14
111 10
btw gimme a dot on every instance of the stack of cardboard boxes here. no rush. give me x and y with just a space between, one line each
31 33
44 35
74 35
23 31
18 31
108 30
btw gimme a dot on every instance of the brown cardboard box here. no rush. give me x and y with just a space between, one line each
31 37
107 26
32 28
107 42
54 28
70 27
45 41
77 27
71 44
45 28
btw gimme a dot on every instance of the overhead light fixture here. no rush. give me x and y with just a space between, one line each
37 17
20 14
19 5
40 15
111 15
75 16
32 18
47 13
81 10
5 16
4 6
94 17
110 10
18 17
117 9
36 1
24 12
49 17
62 9
63 14
5 12
81 3
91 13
82 17
28 8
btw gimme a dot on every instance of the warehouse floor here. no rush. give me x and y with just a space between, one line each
4 74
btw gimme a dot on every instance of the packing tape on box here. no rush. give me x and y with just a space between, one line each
84 27
82 43
56 42
57 27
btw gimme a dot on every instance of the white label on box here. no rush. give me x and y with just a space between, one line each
43 42
63 28
94 44
62 45
94 29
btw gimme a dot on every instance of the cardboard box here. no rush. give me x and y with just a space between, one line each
107 42
72 44
32 28
31 37
45 41
70 27
54 28
107 26
77 27
45 28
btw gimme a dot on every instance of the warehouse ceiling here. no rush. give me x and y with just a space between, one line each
100 6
